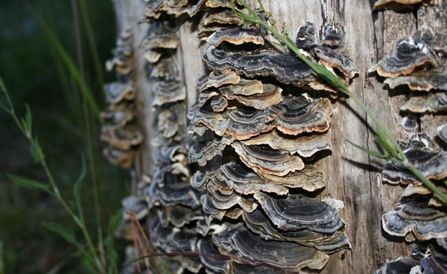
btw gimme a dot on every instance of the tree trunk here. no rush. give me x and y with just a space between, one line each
353 177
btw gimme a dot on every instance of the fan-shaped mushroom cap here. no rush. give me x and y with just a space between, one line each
210 257
304 145
167 92
236 36
431 103
269 96
334 59
300 212
400 4
264 159
244 181
118 91
297 115
155 8
123 158
333 35
310 178
202 152
245 87
415 219
305 37
286 68
117 115
433 165
122 138
287 256
216 79
258 222
179 215
401 264
407 57
421 80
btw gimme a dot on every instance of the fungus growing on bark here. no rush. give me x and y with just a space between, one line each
123 158
432 164
117 92
430 103
202 152
244 181
263 159
259 223
421 80
159 40
269 96
297 212
248 248
402 4
408 57
122 138
236 36
416 220
118 115
286 68
216 79
305 37
304 145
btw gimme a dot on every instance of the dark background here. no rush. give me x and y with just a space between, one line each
34 73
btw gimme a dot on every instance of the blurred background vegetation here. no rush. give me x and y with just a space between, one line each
35 73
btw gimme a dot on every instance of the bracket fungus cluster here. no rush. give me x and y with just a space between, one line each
119 130
417 67
260 119
418 64
241 190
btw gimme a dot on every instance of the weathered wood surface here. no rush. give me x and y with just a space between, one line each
354 177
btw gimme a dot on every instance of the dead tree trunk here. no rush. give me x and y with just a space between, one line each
353 177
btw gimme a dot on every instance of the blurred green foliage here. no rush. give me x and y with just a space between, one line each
35 74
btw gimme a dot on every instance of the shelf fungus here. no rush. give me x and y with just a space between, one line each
119 129
256 126
259 223
121 61
117 92
245 247
155 8
418 64
408 57
236 36
416 220
122 138
300 212
432 164
430 103
286 68
402 4
263 159
158 41
293 116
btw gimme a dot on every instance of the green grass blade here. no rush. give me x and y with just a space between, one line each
28 183
78 184
69 63
370 152
61 230
92 44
